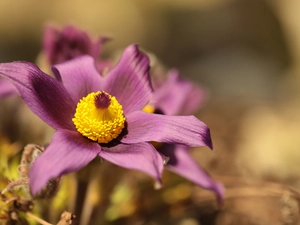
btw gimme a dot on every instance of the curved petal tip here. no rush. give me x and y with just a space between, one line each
206 138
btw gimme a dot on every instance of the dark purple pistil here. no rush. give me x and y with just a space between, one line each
102 101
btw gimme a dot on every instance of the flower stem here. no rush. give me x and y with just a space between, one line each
80 197
41 221
90 201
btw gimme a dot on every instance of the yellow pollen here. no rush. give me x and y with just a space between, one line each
149 108
101 124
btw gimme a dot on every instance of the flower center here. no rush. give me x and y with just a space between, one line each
99 117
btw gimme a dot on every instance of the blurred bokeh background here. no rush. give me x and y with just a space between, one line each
245 52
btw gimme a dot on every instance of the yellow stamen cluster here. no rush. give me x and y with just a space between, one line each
101 124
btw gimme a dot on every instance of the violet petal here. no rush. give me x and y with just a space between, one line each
79 77
195 100
182 163
129 80
7 88
178 96
103 65
43 94
140 156
68 151
186 130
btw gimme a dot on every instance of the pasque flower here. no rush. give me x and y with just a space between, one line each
177 96
99 116
63 44
174 95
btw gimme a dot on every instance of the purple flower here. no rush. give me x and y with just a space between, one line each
7 88
175 96
70 42
99 116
